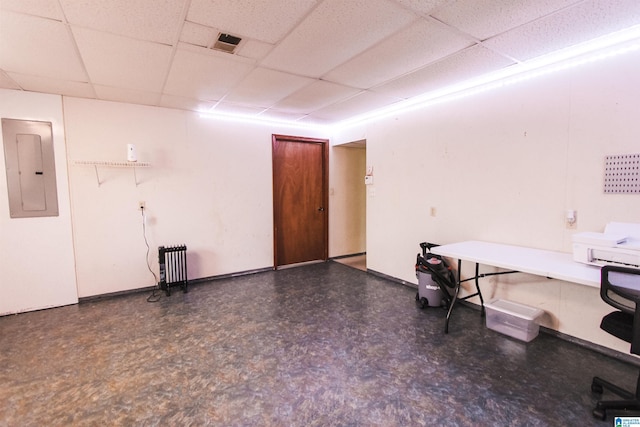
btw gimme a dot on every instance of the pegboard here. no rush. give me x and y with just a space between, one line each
622 174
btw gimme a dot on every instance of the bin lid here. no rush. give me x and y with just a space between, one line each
515 309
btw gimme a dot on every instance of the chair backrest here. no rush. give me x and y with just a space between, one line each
620 288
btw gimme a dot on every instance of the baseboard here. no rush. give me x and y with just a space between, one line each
192 282
347 256
116 294
392 279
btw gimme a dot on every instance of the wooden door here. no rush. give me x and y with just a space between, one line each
300 199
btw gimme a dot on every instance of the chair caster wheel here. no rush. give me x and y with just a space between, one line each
600 414
424 303
596 388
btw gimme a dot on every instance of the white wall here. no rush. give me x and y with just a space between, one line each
503 166
36 254
209 186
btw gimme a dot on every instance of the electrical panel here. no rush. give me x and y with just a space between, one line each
30 167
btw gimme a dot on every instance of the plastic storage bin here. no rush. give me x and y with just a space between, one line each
511 318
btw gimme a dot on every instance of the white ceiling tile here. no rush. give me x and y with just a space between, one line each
418 45
198 35
6 82
318 121
572 26
243 110
281 115
43 8
118 61
364 101
336 31
267 21
254 49
39 47
469 63
264 87
152 20
127 95
205 74
181 103
422 7
59 87
486 18
315 96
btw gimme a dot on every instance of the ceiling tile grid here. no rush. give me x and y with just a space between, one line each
119 94
268 21
198 35
38 46
585 21
485 19
264 87
182 103
8 82
119 61
423 7
151 20
204 74
49 85
315 96
463 65
303 60
355 105
335 32
421 43
43 8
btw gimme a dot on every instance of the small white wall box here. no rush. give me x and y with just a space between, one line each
514 319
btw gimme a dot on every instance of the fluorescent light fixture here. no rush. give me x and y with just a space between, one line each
260 120
613 44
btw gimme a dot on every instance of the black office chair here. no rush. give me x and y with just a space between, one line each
620 288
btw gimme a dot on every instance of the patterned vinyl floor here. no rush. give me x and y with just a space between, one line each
319 345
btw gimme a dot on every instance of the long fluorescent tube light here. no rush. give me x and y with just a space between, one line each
243 118
613 44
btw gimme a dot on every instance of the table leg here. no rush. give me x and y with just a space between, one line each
478 290
453 299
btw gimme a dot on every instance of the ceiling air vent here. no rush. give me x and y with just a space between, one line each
226 43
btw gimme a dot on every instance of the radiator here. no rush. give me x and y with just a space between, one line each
173 267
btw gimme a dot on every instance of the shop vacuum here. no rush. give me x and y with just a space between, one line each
436 279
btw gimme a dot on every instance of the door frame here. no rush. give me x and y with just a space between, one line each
277 138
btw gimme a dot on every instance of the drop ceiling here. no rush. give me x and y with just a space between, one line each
311 61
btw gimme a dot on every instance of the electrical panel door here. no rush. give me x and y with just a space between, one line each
30 165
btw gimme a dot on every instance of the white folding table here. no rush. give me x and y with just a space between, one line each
550 264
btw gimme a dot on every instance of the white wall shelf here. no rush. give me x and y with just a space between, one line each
108 164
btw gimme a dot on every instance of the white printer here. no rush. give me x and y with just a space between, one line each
618 245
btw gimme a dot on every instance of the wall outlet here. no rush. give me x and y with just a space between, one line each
141 206
571 218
